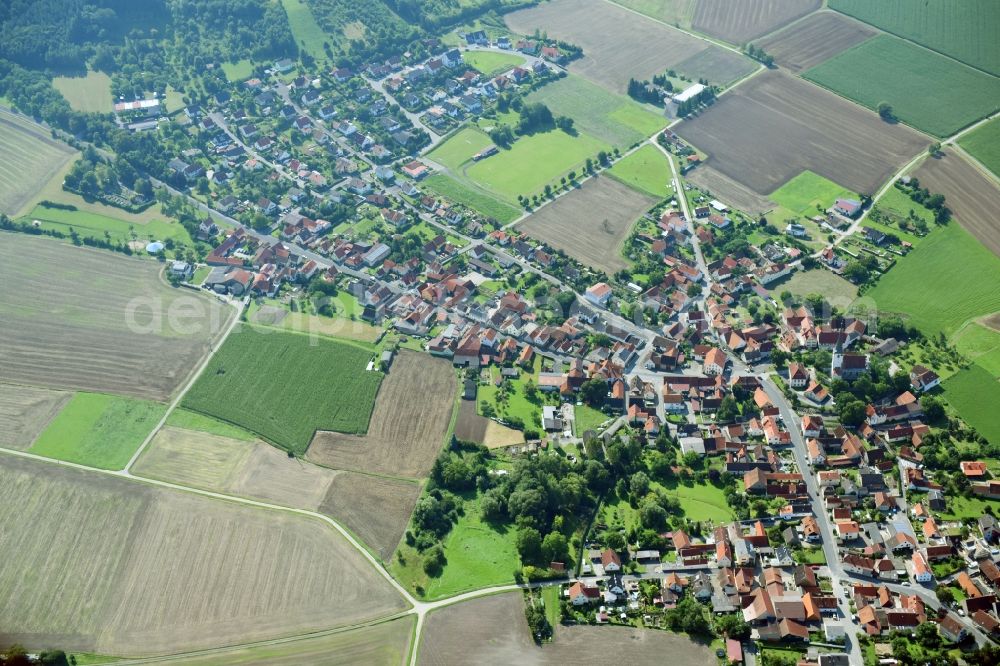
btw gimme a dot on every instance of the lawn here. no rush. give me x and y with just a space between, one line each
90 93
835 289
237 71
185 418
286 386
646 170
802 194
306 31
532 162
967 507
94 224
99 430
926 90
491 63
945 281
460 147
983 143
813 555
702 502
975 394
458 192
588 418
981 345
518 405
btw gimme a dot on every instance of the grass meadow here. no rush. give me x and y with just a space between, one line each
86 93
981 345
94 224
925 89
452 189
188 420
460 147
490 63
304 27
975 394
646 170
286 386
239 70
983 143
802 194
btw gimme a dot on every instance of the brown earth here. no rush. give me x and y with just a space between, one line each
741 22
374 508
728 191
475 428
95 563
773 127
408 425
591 223
971 195
25 411
815 40
94 320
619 44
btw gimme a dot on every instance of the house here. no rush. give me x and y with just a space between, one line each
973 469
715 361
551 420
579 594
610 561
951 629
599 294
921 572
848 366
225 280
847 207
923 379
798 375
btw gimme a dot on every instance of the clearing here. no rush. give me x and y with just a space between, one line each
25 411
975 393
983 143
619 44
473 427
815 39
166 571
31 159
491 63
286 386
591 222
925 89
90 93
970 194
305 30
239 70
408 427
99 430
739 23
93 320
836 290
646 170
775 126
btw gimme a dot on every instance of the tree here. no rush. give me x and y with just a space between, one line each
733 626
688 616
934 149
639 484
529 544
945 594
927 635
615 541
653 516
933 408
554 547
852 412
594 391
728 409
486 409
885 111
538 623
434 561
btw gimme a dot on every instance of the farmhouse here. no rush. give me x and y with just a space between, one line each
847 207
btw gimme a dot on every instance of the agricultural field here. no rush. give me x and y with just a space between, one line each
815 40
971 195
92 320
614 119
473 427
980 344
350 500
166 571
674 12
945 281
619 44
721 186
467 195
836 290
591 223
286 386
183 418
491 63
646 170
983 143
808 194
91 93
306 31
965 31
747 20
408 427
925 89
87 223
339 326
99 430
460 147
975 393
775 126
25 411
31 158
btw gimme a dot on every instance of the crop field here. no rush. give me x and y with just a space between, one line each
721 186
975 393
384 644
964 30
99 430
462 193
286 386
614 119
87 223
183 418
473 427
745 21
835 289
304 27
351 499
491 63
619 44
815 39
25 411
674 12
460 147
590 223
31 158
165 571
925 89
408 427
77 318
945 281
970 194
775 126
646 170
983 143
86 93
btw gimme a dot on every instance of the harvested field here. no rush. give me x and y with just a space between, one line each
352 500
775 126
970 194
31 158
741 22
25 411
165 571
619 44
815 39
408 426
590 223
729 191
473 427
496 626
77 318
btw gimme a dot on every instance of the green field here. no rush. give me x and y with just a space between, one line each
983 143
835 289
587 418
184 418
93 224
460 147
614 119
980 345
945 281
99 430
491 63
925 89
965 30
86 93
975 393
962 508
646 170
802 194
451 189
306 31
286 386
702 502
237 71
896 203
